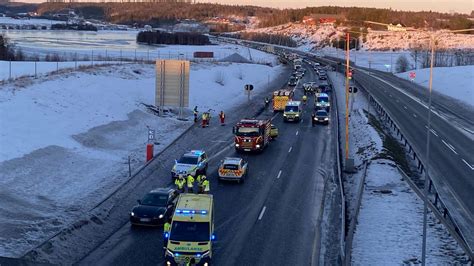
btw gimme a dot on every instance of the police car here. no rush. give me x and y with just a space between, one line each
233 169
193 163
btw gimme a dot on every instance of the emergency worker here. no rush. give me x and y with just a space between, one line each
190 183
179 182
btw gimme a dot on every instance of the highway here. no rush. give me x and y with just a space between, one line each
451 159
272 219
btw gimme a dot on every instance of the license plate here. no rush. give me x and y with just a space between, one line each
145 219
246 149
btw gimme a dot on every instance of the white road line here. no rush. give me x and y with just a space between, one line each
449 146
279 174
262 213
414 115
434 132
297 132
274 116
398 101
301 121
470 166
390 95
406 108
290 149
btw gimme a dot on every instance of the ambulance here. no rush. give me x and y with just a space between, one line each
192 231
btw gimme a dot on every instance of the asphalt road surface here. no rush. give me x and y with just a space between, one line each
271 219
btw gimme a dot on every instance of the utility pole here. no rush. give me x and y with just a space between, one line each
347 96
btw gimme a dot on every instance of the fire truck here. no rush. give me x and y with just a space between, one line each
252 134
281 98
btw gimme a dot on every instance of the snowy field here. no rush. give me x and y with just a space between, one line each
65 139
389 225
17 69
457 82
25 21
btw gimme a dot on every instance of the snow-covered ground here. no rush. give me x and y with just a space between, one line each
25 21
390 223
457 82
65 139
16 69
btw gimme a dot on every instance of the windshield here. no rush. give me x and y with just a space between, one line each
154 199
248 131
321 113
188 160
190 231
323 99
293 109
231 166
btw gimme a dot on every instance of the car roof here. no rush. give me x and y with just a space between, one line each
322 95
232 160
322 111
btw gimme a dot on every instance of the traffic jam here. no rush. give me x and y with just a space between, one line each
185 212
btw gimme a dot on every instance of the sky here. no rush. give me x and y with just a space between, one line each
460 6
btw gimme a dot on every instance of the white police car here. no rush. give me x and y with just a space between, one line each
194 162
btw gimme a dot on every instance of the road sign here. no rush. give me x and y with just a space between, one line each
412 75
172 84
151 135
248 87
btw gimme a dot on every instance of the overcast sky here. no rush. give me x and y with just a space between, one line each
460 6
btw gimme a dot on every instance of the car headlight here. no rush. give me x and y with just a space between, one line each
257 146
237 145
284 115
297 115
132 214
326 119
161 216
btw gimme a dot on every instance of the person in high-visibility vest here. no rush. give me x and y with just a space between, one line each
179 182
200 180
304 99
190 183
166 233
205 184
222 117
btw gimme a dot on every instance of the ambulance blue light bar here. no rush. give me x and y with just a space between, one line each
181 211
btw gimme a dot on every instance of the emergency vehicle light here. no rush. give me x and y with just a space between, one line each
180 211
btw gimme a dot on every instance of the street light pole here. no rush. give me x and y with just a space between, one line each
347 96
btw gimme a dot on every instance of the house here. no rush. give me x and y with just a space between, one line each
396 27
309 20
327 21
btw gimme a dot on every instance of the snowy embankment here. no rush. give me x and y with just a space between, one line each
391 215
65 139
16 69
457 82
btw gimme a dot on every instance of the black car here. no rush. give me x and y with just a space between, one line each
292 81
321 116
155 207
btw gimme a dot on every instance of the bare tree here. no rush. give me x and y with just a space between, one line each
402 64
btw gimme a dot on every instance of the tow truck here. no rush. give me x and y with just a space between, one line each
252 134
192 231
281 98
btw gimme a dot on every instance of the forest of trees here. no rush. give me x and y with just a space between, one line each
277 39
6 50
156 13
182 38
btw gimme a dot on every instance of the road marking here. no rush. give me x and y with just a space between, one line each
301 121
414 115
449 146
406 108
397 101
290 149
279 174
221 151
434 132
470 166
273 117
297 132
262 213
390 95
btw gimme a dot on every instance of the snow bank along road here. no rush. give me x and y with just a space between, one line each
281 200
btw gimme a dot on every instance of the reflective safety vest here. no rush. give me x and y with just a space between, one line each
179 183
166 227
190 181
205 183
200 178
222 115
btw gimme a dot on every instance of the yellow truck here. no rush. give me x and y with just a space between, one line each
281 98
192 231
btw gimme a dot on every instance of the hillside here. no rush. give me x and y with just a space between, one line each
151 13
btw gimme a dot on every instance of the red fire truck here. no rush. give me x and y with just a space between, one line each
252 134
